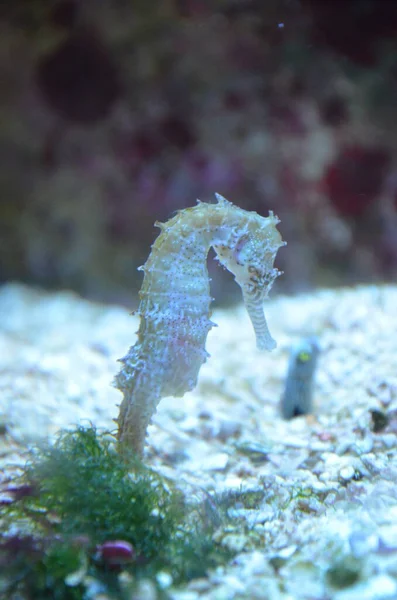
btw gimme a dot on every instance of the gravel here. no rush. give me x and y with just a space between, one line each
312 501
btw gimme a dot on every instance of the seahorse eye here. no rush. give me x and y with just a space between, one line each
240 250
255 272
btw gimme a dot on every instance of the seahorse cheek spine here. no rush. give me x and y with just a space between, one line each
175 304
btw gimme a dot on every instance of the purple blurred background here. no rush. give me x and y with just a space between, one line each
115 113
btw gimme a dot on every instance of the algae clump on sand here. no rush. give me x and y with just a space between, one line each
81 521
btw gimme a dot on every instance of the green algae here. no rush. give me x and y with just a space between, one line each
77 495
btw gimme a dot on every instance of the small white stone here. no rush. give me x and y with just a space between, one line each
216 462
381 587
164 579
199 585
235 542
362 543
287 552
185 595
347 473
389 440
258 563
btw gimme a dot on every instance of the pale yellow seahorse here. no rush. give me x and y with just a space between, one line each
175 304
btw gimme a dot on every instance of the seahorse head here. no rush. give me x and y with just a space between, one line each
249 254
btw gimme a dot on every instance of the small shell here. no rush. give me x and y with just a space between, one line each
116 552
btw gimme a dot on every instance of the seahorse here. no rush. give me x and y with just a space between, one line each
175 303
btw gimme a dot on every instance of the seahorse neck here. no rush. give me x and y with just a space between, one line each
205 225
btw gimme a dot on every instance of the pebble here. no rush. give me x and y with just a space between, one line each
216 462
363 446
235 542
361 543
347 473
164 579
199 585
146 590
184 595
389 440
380 587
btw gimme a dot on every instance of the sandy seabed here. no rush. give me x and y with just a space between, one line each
326 483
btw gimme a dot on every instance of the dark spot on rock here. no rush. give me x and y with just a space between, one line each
146 146
79 80
277 562
355 179
177 132
334 111
352 30
284 118
64 14
380 420
192 8
17 545
234 101
344 573
19 492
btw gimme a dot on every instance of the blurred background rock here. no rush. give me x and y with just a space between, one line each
115 113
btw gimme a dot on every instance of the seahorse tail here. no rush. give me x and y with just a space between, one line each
128 434
133 423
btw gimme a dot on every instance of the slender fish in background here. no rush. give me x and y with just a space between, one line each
298 393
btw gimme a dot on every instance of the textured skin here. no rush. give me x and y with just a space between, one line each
175 304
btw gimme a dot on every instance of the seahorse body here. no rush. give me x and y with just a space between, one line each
175 304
